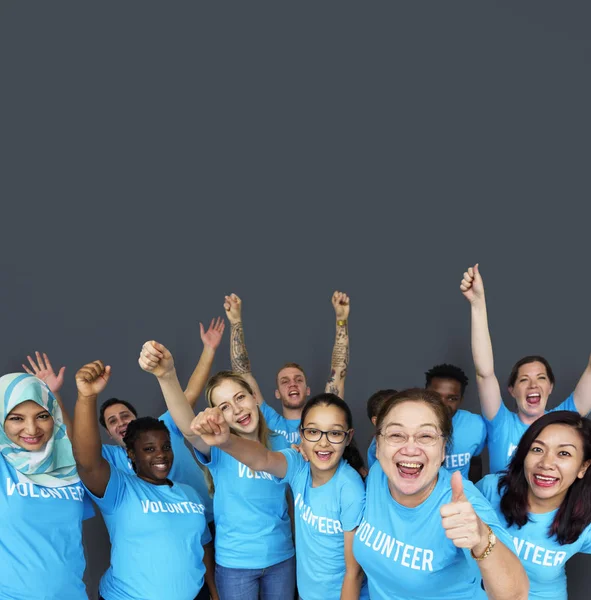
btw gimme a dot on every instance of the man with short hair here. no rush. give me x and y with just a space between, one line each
292 387
469 430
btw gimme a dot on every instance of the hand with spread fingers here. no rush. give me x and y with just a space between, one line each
472 286
211 427
156 359
92 378
213 336
233 308
341 305
461 523
42 369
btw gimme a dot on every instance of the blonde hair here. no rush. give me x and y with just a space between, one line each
263 432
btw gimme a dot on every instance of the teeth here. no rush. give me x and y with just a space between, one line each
545 478
410 465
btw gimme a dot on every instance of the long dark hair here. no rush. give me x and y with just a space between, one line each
526 360
574 514
351 453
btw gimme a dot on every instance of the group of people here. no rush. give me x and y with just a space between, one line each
239 502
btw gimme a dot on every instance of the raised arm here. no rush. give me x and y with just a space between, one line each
211 340
582 395
211 426
42 369
488 385
93 469
238 353
156 359
502 573
340 351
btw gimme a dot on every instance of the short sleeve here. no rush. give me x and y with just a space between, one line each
87 508
352 502
497 424
295 464
482 436
206 536
211 461
114 493
272 417
167 419
568 404
487 487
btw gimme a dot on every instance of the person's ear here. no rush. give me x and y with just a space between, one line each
349 437
374 420
277 395
583 469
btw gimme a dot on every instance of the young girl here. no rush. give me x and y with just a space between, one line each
42 502
544 499
253 544
157 527
328 493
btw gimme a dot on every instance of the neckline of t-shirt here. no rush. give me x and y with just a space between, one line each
324 485
425 502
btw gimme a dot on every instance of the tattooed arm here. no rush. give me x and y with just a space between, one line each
238 352
340 351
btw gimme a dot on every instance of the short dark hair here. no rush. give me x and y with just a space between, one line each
110 402
526 360
351 453
376 400
574 514
139 426
447 371
428 397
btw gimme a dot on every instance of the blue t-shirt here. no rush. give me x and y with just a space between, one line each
322 514
288 428
41 553
469 439
184 467
405 552
253 530
543 558
505 431
371 453
157 534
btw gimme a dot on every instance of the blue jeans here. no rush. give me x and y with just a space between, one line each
272 583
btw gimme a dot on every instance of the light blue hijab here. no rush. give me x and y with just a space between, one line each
54 465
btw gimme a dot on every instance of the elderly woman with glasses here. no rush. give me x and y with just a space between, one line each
427 533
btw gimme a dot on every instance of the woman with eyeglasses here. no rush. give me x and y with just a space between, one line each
254 550
427 533
328 492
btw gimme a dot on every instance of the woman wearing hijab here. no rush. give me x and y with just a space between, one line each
42 502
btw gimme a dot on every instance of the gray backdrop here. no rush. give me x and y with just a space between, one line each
156 156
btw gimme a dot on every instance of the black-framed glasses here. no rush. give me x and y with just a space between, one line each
336 436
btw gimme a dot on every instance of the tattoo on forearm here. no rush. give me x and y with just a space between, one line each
331 386
340 352
238 353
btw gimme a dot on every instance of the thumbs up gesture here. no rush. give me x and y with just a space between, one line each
461 523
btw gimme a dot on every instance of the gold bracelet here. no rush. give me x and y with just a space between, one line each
492 540
341 322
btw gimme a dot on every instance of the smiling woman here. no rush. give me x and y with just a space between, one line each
253 544
328 492
148 506
426 533
544 499
42 503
